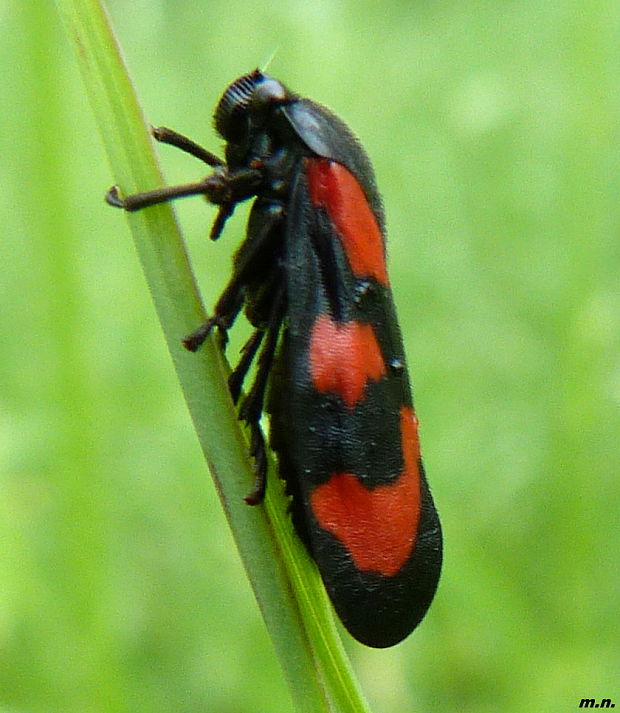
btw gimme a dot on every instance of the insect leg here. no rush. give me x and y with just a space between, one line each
248 258
137 201
222 187
252 406
248 352
173 138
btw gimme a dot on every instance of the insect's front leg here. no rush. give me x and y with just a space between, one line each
222 187
168 136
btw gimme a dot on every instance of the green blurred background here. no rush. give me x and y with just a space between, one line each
494 130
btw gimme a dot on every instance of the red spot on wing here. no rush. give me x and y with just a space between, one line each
343 357
336 189
377 527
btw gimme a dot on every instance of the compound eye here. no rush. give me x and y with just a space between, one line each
269 92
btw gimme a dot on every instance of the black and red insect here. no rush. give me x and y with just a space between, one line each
330 365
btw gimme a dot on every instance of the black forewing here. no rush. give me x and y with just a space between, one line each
316 435
325 134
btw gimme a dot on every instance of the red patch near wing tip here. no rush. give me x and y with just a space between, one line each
344 356
377 527
335 188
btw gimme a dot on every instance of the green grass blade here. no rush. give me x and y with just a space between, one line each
290 595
